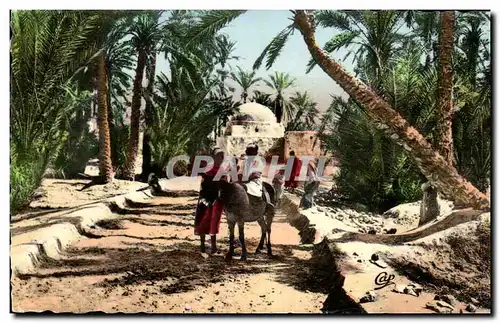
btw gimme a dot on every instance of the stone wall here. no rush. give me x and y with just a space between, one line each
304 143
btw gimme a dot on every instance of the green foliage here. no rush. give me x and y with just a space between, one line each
278 83
48 48
245 80
273 50
80 145
374 171
25 177
210 23
472 122
305 113
52 53
121 134
373 36
262 98
184 119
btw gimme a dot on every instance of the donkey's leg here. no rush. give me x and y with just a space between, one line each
229 255
262 223
241 231
269 223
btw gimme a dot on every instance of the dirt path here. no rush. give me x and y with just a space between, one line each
149 262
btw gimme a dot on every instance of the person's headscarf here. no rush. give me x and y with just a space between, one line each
216 151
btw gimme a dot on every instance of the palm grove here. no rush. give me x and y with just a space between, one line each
419 107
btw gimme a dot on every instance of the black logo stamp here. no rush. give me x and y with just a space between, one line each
383 279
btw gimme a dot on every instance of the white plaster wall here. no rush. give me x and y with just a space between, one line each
258 130
233 145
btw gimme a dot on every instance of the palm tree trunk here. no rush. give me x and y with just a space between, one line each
445 96
105 166
146 149
432 165
112 133
135 116
444 137
278 108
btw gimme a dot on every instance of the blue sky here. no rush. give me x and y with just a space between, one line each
256 28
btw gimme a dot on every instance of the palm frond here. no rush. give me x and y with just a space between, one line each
335 43
273 49
210 23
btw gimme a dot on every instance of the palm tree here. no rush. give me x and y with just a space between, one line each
432 165
112 30
445 96
49 50
374 170
245 80
262 98
375 35
119 55
305 112
144 38
149 111
472 118
279 82
425 28
105 164
444 139
185 114
148 114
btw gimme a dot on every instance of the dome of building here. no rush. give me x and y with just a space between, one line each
253 111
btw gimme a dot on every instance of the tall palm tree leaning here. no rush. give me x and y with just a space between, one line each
279 82
444 139
245 80
432 165
143 39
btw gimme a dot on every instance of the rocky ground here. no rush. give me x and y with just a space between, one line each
453 261
401 218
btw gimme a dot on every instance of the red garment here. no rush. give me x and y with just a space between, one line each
212 171
210 219
210 222
296 166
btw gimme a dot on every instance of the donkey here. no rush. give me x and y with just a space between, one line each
241 207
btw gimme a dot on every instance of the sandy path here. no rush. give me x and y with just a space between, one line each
149 262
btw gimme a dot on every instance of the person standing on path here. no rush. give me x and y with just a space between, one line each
209 208
310 187
292 183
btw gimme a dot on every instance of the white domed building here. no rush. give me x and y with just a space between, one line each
253 123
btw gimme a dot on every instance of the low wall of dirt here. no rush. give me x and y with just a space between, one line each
324 258
33 241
